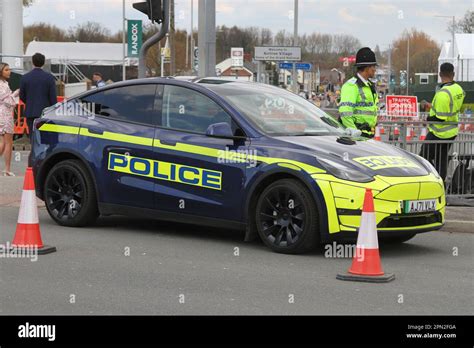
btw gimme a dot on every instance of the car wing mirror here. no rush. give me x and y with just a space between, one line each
220 130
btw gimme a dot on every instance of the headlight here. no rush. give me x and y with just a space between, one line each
428 166
345 172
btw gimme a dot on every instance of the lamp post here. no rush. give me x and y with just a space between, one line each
124 69
408 62
294 81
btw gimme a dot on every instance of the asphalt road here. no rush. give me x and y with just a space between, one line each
168 263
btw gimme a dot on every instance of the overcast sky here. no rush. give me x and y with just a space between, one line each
372 22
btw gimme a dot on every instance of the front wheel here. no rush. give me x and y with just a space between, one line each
69 194
287 217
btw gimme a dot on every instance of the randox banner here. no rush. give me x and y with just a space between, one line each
134 37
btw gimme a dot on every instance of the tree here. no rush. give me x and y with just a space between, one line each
89 32
464 25
43 32
424 53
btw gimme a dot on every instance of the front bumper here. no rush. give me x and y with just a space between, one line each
344 201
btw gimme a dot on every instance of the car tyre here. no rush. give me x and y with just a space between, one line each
287 217
69 194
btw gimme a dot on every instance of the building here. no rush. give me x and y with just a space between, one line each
74 61
225 70
461 55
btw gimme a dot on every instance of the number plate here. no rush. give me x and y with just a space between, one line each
411 207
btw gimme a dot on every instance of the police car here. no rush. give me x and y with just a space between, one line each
232 155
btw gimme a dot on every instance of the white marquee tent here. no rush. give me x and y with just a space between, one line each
462 57
80 53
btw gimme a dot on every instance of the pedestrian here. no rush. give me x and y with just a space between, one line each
37 91
98 80
445 107
8 100
359 99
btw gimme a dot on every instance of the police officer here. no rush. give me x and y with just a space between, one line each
359 100
445 107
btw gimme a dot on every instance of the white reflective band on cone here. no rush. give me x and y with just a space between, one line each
28 210
367 238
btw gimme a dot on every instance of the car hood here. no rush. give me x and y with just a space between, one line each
370 156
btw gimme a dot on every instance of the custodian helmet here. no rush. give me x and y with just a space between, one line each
365 56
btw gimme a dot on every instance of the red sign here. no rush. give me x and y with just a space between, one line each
350 59
402 106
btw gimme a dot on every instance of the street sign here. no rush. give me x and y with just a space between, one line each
402 106
280 53
134 37
303 66
299 66
237 55
196 58
287 66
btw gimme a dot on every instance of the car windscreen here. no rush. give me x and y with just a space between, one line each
276 111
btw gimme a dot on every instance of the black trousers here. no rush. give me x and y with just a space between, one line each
437 154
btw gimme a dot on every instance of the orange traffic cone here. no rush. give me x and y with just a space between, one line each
423 134
396 131
366 265
27 235
409 134
377 134
382 130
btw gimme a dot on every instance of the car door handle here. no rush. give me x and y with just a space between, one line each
167 142
96 131
122 150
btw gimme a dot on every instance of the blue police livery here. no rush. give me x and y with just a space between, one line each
227 154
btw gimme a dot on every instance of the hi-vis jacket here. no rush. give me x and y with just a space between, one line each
359 105
446 106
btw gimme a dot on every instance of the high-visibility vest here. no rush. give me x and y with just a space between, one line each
445 107
359 106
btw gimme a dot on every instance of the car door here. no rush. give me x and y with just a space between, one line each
117 140
198 174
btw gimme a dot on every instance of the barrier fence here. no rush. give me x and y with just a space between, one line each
453 159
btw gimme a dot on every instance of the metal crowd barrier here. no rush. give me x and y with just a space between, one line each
453 159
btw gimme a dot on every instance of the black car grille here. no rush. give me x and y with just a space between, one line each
394 221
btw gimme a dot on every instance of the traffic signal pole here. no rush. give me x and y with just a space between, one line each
153 40
207 38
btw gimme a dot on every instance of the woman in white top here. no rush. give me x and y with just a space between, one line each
8 100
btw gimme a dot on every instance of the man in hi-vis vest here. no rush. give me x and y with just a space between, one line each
359 99
445 107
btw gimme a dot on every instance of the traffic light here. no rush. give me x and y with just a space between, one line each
152 8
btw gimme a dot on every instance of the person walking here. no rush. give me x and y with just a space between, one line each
37 91
98 80
8 100
445 108
359 99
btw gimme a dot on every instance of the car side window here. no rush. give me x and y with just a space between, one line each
133 103
185 109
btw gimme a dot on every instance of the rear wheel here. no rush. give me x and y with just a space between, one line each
287 218
69 194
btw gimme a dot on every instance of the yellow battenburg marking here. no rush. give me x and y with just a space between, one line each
384 162
55 128
187 148
167 171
